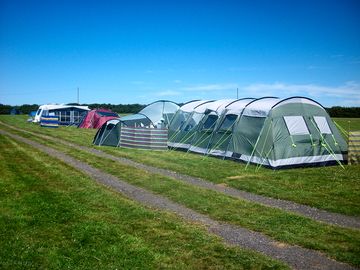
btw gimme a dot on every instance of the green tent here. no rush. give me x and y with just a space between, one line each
205 129
220 138
184 124
268 131
296 131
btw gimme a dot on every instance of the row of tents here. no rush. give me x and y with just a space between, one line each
268 131
80 116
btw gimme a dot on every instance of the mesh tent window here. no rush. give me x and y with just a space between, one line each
296 125
228 122
322 124
210 122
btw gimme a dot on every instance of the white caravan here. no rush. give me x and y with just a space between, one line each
68 114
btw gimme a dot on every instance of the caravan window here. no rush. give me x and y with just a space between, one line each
210 122
322 124
228 122
296 125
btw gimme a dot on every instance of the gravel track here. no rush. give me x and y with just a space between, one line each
304 210
294 256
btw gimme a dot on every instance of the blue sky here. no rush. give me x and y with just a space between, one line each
142 51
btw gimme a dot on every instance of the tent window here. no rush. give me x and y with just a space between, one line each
322 124
228 122
210 122
296 125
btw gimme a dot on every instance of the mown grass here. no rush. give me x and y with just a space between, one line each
339 243
348 124
328 188
54 217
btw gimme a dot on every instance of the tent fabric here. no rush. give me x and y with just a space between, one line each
270 143
143 138
296 125
155 116
160 111
322 124
208 123
269 131
181 137
97 117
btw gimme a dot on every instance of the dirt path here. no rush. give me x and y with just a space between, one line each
304 210
294 256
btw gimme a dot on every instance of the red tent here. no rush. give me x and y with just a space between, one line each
97 117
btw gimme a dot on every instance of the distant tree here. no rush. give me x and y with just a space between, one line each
27 108
348 112
5 109
119 108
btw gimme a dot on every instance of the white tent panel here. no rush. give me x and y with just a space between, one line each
298 100
219 105
189 107
296 125
322 124
203 107
238 106
260 107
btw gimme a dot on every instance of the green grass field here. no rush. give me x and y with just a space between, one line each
341 190
53 217
329 188
348 124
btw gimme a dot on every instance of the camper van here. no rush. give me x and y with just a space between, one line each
68 114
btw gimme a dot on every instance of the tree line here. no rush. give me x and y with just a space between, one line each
337 111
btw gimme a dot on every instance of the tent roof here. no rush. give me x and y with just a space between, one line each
156 110
219 105
202 107
297 99
260 107
236 107
190 106
133 117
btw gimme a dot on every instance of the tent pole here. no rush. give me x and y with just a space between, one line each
257 141
266 136
221 140
203 136
266 156
342 130
108 133
232 132
327 146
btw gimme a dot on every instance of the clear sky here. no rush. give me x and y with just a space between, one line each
142 51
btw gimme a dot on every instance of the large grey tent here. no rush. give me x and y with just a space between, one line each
268 131
152 118
183 125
